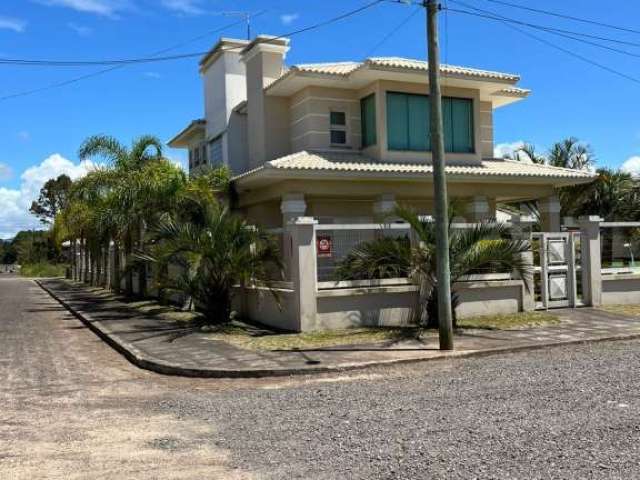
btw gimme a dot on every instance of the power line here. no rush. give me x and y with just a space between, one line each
392 32
106 70
122 64
565 16
505 21
156 58
552 31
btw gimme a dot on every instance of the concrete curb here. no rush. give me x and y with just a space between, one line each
148 362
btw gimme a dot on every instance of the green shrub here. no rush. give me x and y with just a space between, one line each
43 269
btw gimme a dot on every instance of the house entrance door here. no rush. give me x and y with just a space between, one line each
557 269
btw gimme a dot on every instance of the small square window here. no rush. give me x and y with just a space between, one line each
338 118
338 137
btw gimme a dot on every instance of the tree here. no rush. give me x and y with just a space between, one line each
126 211
53 198
483 248
613 195
571 153
528 152
216 251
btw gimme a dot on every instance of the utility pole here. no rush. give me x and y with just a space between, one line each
445 320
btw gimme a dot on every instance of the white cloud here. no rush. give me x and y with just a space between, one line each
107 8
502 149
80 29
189 7
10 23
15 203
5 172
632 166
289 18
154 75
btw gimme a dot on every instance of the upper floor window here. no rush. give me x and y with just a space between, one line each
408 123
196 156
215 152
338 128
368 120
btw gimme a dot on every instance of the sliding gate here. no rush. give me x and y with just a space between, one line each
557 269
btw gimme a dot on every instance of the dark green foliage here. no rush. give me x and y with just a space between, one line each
484 248
53 198
385 257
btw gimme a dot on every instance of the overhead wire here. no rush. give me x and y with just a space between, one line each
125 62
505 21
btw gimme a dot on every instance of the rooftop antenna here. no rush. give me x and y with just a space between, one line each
245 15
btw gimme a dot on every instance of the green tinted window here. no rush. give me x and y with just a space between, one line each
408 123
368 119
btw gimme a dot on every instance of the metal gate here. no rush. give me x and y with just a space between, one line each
557 269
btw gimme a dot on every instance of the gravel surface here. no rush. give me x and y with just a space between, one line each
561 413
72 408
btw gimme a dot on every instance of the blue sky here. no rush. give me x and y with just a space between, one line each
40 133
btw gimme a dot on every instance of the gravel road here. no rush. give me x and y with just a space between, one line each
74 409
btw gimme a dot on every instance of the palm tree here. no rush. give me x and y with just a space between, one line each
127 213
216 251
528 152
571 153
613 195
485 247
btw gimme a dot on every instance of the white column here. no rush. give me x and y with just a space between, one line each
479 209
304 271
520 231
292 206
550 213
591 260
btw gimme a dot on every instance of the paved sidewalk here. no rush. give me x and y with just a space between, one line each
149 342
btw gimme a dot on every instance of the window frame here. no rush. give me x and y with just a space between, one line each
363 124
429 149
337 127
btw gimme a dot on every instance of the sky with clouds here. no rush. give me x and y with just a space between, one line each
40 133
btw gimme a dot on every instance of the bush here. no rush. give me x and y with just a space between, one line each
43 269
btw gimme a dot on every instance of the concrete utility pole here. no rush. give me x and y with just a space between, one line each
445 321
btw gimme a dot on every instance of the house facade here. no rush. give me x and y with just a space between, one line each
346 142
321 154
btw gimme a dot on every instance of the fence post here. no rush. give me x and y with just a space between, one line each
591 260
304 274
520 232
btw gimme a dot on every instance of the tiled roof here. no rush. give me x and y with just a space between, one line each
346 68
353 162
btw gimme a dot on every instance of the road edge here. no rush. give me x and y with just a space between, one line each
148 362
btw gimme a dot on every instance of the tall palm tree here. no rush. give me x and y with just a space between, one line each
128 214
485 247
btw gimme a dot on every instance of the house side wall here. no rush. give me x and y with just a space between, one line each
486 129
310 117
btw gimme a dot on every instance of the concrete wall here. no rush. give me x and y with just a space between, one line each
383 306
490 298
260 306
359 307
620 289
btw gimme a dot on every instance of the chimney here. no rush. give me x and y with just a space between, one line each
264 61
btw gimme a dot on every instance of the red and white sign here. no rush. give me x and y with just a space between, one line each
324 246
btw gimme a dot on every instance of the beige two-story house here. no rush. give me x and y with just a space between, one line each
345 142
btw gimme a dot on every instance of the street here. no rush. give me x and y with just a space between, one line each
73 408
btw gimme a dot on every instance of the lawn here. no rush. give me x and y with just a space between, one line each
628 310
43 270
509 321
